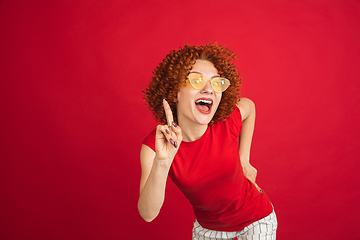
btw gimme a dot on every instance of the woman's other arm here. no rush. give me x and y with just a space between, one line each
247 109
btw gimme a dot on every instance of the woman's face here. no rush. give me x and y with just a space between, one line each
198 105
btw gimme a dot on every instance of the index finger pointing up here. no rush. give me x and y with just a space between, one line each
168 113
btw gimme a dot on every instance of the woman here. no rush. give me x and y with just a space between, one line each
203 144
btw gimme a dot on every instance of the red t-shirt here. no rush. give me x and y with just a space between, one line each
209 173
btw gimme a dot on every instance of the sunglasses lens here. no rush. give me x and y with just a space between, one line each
220 84
196 80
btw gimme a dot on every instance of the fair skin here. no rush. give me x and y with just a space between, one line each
192 124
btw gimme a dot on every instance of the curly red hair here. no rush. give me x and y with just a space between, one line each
172 72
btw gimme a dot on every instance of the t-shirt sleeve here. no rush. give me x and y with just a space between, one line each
150 140
235 122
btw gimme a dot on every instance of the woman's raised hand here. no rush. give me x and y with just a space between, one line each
168 137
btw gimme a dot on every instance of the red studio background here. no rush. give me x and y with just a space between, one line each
73 118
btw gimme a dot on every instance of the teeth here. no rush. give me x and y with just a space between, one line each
204 101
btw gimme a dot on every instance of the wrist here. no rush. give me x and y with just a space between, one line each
245 159
162 163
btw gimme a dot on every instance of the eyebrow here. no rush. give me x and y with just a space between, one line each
217 75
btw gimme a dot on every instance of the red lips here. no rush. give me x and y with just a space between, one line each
204 105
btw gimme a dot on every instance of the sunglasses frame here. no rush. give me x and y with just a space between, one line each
202 77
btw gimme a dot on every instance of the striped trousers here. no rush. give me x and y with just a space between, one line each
264 229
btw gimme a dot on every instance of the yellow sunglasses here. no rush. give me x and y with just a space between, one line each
198 81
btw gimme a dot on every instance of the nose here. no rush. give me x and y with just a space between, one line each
207 88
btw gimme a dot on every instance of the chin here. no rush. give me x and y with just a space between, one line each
204 120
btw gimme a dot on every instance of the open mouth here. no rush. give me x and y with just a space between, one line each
204 105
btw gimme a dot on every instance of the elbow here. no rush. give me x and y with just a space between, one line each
148 217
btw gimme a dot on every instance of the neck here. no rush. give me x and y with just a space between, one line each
192 131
